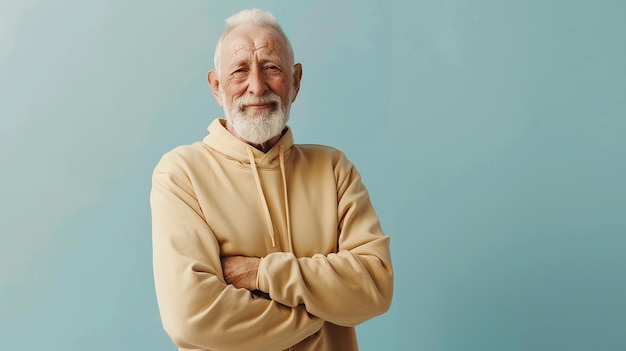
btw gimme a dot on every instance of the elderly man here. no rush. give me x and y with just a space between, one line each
260 243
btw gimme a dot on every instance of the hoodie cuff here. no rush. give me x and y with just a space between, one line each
258 276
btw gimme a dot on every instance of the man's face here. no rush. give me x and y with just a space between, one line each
256 83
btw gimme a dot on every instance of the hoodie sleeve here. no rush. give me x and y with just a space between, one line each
347 287
198 309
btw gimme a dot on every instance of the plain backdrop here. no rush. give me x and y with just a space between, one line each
490 134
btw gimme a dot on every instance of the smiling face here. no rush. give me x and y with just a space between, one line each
256 82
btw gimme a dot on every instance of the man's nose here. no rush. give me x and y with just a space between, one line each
257 85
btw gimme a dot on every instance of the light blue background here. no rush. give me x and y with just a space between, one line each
491 135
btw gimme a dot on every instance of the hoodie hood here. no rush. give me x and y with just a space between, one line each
231 147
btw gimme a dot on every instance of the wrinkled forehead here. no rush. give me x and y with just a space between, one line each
248 39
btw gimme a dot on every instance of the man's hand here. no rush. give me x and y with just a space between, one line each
241 271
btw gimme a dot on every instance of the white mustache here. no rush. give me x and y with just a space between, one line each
245 100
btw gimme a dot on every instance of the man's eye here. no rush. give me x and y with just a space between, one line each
272 68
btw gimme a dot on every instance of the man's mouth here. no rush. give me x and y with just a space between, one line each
261 106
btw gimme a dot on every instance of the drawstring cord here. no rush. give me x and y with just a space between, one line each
281 157
268 218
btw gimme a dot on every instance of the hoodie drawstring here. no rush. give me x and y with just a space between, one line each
268 218
281 158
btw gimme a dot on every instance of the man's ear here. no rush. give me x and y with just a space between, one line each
297 76
214 83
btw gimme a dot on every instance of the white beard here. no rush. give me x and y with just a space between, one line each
260 127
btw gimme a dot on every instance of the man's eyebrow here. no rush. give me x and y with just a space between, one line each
245 60
239 61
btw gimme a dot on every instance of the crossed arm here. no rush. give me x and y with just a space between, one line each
358 276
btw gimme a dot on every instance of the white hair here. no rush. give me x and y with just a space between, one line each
256 17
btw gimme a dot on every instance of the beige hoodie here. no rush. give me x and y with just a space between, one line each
301 208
